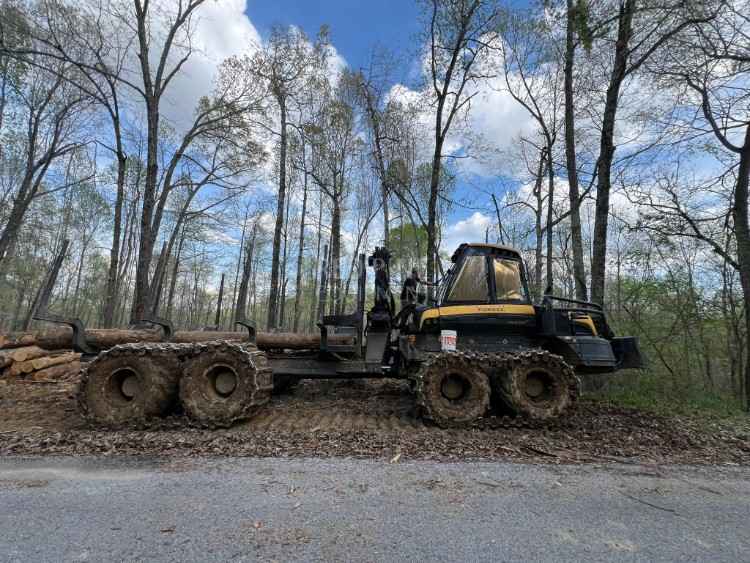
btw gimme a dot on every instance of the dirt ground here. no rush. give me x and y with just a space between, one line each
373 419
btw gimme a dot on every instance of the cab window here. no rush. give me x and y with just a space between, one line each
471 282
508 284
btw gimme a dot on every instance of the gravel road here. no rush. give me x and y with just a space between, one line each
112 509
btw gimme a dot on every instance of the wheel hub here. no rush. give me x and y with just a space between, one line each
130 387
454 387
223 380
124 385
539 386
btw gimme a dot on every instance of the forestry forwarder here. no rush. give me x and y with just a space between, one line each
480 343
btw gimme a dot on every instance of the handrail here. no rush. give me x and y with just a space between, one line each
576 301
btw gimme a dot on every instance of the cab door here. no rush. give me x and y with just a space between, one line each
487 304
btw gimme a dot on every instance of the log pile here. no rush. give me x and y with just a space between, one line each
33 363
103 339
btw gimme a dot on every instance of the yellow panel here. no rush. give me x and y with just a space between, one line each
499 308
587 322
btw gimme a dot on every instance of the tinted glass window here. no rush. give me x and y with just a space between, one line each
471 282
508 279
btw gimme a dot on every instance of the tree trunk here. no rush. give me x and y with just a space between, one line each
323 285
336 255
314 293
538 232
111 291
579 269
432 215
217 320
45 291
147 237
273 296
300 251
240 312
742 235
284 278
607 152
550 215
79 275
175 273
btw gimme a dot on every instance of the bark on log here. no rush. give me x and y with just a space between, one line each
22 354
16 340
29 366
49 361
56 372
103 339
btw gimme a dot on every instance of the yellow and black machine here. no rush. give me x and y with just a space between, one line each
481 344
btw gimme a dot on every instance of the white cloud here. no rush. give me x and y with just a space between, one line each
471 229
494 122
221 30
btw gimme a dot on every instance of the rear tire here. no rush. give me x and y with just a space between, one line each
129 384
224 383
535 384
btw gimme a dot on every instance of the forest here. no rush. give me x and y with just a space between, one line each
607 140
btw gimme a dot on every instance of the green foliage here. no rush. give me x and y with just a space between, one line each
582 20
685 332
408 244
650 390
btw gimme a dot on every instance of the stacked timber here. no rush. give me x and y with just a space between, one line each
33 363
103 339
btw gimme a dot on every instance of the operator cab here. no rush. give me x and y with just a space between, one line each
484 298
484 274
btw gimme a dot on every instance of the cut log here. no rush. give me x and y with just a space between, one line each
21 368
49 361
56 372
103 339
16 340
22 354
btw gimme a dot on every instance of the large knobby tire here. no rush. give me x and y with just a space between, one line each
224 383
535 384
452 390
129 384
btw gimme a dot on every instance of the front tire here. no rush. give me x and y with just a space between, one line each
452 390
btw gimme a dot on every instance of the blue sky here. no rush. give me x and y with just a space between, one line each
356 26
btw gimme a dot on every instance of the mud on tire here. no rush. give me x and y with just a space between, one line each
535 384
224 383
129 384
452 390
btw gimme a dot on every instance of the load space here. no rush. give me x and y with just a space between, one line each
480 346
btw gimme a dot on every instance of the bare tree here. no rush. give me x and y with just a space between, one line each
51 112
643 28
284 62
532 77
714 63
459 33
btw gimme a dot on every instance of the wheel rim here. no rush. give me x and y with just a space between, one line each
455 387
222 380
540 386
124 385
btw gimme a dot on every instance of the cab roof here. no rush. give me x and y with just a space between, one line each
466 245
